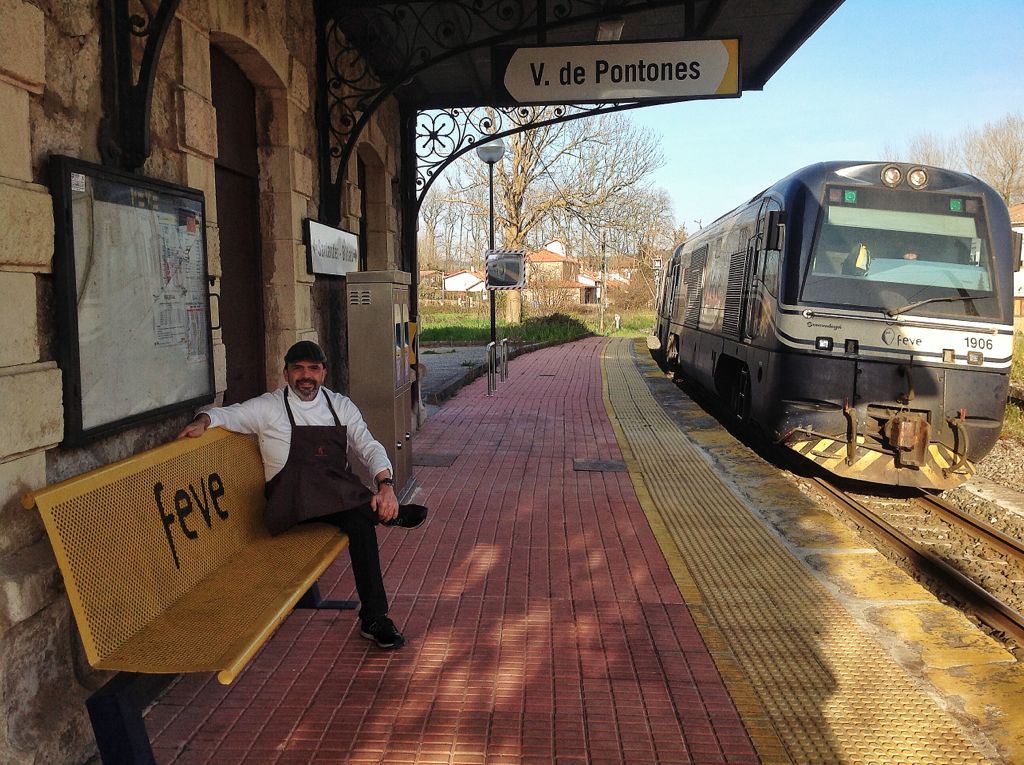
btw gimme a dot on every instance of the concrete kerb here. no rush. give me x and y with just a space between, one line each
441 395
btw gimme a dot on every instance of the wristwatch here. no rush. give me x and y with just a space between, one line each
384 482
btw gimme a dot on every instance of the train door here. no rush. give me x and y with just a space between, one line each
670 291
757 252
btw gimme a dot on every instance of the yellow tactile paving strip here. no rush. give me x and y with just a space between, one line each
819 682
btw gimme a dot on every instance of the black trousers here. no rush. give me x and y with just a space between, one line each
359 523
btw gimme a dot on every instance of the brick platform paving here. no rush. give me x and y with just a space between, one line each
543 622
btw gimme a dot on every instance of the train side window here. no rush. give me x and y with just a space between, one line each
771 272
776 231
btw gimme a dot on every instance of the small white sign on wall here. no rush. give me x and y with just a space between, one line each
331 251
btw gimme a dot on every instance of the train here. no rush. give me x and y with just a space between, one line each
860 313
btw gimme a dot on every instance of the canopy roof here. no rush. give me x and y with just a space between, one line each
440 52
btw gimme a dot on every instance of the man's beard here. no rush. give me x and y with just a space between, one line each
310 394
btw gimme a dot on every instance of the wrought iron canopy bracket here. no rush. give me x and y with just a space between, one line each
124 133
408 38
443 135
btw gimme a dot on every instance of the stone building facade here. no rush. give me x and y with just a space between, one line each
50 99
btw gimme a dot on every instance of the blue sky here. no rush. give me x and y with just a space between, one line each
877 73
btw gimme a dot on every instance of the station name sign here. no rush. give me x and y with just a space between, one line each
603 72
330 250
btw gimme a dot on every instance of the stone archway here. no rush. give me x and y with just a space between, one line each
284 176
371 178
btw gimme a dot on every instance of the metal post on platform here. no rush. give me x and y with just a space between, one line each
504 359
492 382
490 153
603 301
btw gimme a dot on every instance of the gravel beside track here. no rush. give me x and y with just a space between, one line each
1004 465
1001 576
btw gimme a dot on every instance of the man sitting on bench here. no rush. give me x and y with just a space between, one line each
305 433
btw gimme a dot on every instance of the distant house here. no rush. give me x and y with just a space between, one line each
552 278
464 281
590 287
1017 225
555 279
430 280
551 263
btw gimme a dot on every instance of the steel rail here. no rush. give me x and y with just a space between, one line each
992 611
990 534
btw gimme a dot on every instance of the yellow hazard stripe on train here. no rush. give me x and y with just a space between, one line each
880 467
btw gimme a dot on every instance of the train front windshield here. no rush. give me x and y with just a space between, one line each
887 249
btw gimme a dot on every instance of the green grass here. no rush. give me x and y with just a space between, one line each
461 328
468 328
1017 370
454 328
1013 423
634 324
1013 419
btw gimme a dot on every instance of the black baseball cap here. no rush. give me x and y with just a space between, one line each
305 350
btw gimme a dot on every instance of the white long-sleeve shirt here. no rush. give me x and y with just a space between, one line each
266 417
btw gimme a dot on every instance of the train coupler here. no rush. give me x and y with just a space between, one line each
909 435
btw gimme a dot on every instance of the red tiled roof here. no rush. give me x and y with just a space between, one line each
547 256
477 274
1017 213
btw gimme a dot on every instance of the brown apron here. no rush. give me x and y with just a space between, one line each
316 479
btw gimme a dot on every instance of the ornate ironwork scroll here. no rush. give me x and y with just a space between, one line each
408 38
124 134
367 51
443 135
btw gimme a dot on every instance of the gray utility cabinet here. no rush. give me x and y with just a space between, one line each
379 355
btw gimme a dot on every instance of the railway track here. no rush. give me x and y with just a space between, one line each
975 563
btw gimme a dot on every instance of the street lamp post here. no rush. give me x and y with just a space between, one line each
490 153
603 301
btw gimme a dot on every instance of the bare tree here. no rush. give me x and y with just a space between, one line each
995 153
554 174
573 168
431 229
926 149
452 228
584 183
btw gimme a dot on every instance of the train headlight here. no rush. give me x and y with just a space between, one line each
891 176
823 343
917 178
948 356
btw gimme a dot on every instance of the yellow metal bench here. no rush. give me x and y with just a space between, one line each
168 565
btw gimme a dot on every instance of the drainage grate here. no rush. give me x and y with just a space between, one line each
599 466
429 459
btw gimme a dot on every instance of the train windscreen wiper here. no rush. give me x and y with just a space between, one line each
911 306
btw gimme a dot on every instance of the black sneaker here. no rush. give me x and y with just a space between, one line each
383 632
409 517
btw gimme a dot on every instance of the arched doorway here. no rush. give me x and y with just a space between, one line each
373 206
238 220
